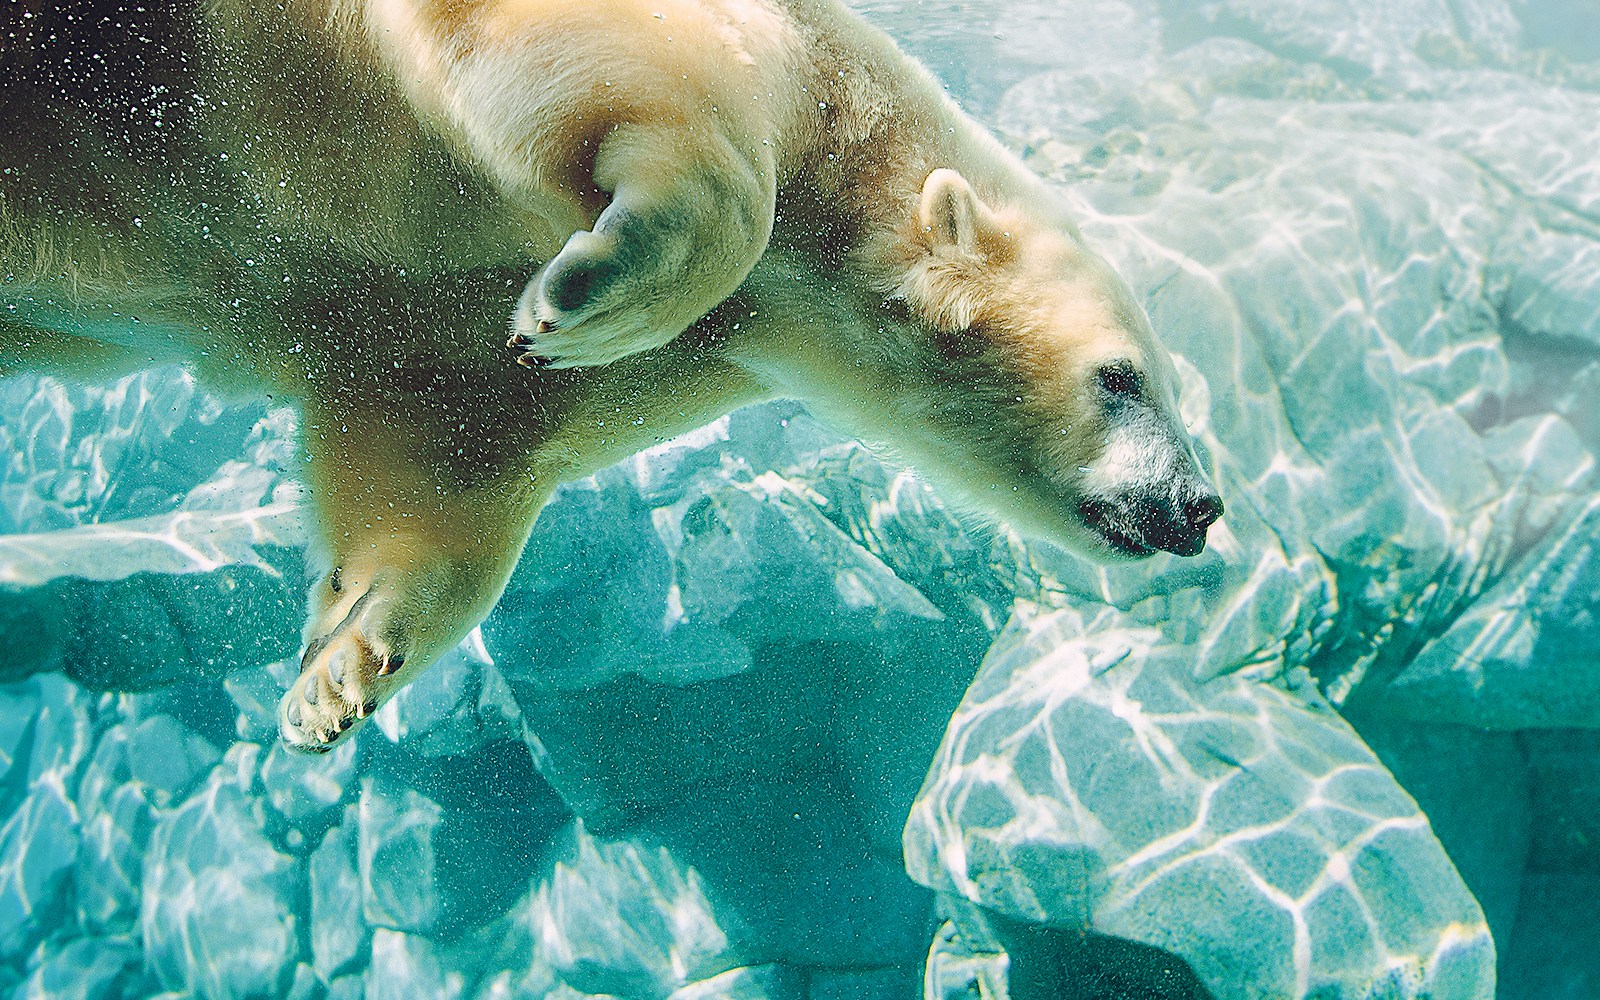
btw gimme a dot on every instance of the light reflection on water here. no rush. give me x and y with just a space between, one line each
178 543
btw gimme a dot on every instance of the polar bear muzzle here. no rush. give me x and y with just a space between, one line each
1146 491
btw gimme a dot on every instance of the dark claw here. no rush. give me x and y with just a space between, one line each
346 723
318 748
391 664
535 361
545 326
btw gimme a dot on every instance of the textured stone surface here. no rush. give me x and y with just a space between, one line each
449 844
624 919
109 873
1507 663
87 968
960 966
79 455
767 982
398 862
38 847
461 702
308 793
129 606
339 934
404 966
1087 782
219 900
130 513
49 729
1490 838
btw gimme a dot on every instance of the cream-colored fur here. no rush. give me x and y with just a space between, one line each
677 207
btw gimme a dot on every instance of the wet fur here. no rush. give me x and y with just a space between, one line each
343 202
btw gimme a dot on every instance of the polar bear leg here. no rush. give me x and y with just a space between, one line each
426 499
417 561
689 216
381 617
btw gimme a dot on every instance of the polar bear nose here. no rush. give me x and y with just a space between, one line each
1184 533
1203 511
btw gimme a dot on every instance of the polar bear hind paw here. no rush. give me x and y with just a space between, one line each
344 676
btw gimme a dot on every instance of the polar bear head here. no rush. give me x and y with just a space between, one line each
1044 396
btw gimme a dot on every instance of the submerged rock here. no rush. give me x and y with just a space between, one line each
308 792
959 967
340 936
38 848
447 844
459 706
133 514
141 604
766 982
1506 663
47 733
220 902
1089 782
404 966
625 919
398 864
89 968
77 454
109 875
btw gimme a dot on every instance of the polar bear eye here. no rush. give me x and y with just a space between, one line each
1120 378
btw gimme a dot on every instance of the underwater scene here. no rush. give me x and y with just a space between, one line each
762 717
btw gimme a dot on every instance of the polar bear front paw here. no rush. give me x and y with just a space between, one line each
588 307
344 676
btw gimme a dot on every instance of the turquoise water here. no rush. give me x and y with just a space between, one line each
759 718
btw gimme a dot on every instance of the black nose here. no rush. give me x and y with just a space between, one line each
1183 530
1203 511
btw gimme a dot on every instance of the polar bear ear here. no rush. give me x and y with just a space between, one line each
951 211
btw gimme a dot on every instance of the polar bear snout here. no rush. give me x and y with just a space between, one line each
1141 521
1201 511
1147 492
1180 525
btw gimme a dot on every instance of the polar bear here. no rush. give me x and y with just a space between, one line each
677 207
